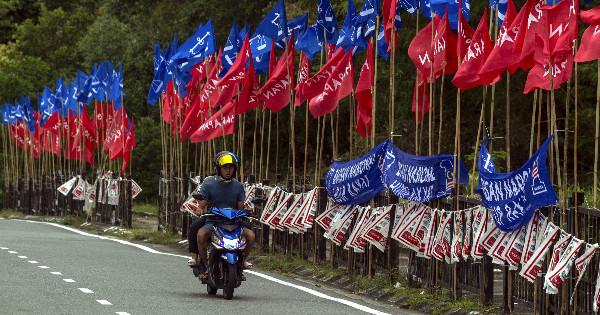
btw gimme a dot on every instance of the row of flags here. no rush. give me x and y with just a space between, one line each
539 38
202 88
62 124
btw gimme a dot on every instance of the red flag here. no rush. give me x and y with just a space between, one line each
119 133
276 91
502 56
193 120
314 85
591 16
338 85
112 131
467 75
420 50
465 33
209 93
226 93
168 102
364 94
444 49
590 44
561 20
272 58
525 44
389 18
420 94
130 143
559 66
52 121
303 75
291 58
249 96
221 124
237 71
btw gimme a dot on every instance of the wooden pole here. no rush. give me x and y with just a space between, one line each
374 107
417 106
507 140
439 140
481 117
533 113
595 188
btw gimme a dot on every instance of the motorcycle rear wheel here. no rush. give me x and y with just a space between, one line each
230 281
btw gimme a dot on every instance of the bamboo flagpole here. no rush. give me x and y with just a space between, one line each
597 135
374 107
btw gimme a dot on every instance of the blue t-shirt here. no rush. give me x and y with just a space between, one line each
221 194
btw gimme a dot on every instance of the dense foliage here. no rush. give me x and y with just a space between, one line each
43 40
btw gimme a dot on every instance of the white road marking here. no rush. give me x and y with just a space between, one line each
104 302
12 252
86 290
122 313
43 267
354 305
56 273
3 248
33 262
22 257
69 280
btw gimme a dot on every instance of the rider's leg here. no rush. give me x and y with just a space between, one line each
193 239
250 237
203 239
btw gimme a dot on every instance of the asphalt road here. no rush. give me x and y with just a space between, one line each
49 269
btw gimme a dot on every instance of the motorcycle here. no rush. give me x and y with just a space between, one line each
225 252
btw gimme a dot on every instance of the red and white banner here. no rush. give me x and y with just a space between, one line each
377 232
556 277
559 248
533 266
113 192
531 233
441 247
80 189
250 194
290 215
408 230
430 218
66 187
497 249
582 262
466 250
356 240
514 252
190 205
340 224
326 218
457 237
270 204
135 189
596 303
480 220
306 217
280 210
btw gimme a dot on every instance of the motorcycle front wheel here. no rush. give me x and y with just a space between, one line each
230 281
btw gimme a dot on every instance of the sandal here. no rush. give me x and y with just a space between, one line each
248 265
192 263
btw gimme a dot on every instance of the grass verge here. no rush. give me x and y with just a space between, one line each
147 208
433 301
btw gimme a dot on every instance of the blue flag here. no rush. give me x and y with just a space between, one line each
382 46
365 22
116 90
485 162
47 105
6 114
197 47
346 36
514 197
157 85
62 96
27 114
502 7
421 178
298 24
231 49
357 181
260 46
409 6
274 24
72 99
310 42
326 19
425 8
440 7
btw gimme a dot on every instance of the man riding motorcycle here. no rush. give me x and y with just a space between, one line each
219 191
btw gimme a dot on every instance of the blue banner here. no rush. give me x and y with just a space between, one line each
514 197
420 178
357 181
